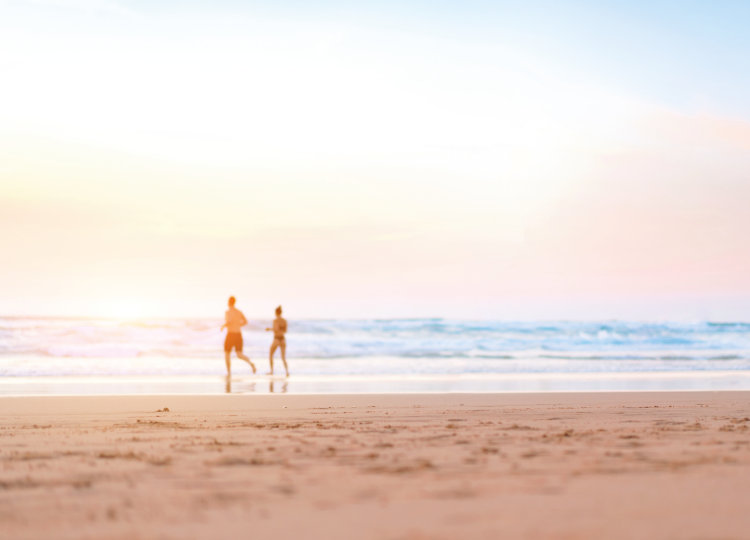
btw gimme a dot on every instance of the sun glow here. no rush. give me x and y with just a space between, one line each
126 309
159 157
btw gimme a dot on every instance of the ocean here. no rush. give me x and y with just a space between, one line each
40 355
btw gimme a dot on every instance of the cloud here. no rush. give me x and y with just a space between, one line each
701 129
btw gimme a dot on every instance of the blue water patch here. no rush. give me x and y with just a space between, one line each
59 346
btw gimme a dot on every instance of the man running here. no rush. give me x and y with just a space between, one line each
235 320
279 341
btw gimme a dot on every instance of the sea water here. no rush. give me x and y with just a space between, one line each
55 355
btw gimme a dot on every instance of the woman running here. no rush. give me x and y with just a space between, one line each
278 329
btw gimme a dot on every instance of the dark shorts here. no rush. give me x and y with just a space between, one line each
234 339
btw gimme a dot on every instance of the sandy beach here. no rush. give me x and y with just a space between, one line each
567 465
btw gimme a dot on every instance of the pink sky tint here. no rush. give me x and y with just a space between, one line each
642 219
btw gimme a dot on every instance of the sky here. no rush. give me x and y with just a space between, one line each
502 160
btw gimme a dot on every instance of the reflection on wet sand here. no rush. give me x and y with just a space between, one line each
241 387
282 390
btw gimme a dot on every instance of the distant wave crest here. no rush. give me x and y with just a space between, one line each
187 346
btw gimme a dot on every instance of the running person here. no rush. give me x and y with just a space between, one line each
279 341
235 320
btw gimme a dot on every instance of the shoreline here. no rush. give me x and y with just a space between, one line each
482 383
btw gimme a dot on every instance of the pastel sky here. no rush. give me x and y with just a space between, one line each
510 160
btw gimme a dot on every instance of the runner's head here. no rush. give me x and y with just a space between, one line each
278 311
232 300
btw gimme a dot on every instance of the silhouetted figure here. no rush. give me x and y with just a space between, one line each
235 320
279 341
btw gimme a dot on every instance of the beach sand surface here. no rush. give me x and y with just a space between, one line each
567 465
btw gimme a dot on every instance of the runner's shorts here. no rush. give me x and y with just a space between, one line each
234 339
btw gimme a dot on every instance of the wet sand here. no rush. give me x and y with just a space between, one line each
572 465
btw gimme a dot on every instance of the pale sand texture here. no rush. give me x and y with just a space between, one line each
625 465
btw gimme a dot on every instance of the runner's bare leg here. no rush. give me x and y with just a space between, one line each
283 357
270 355
246 359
